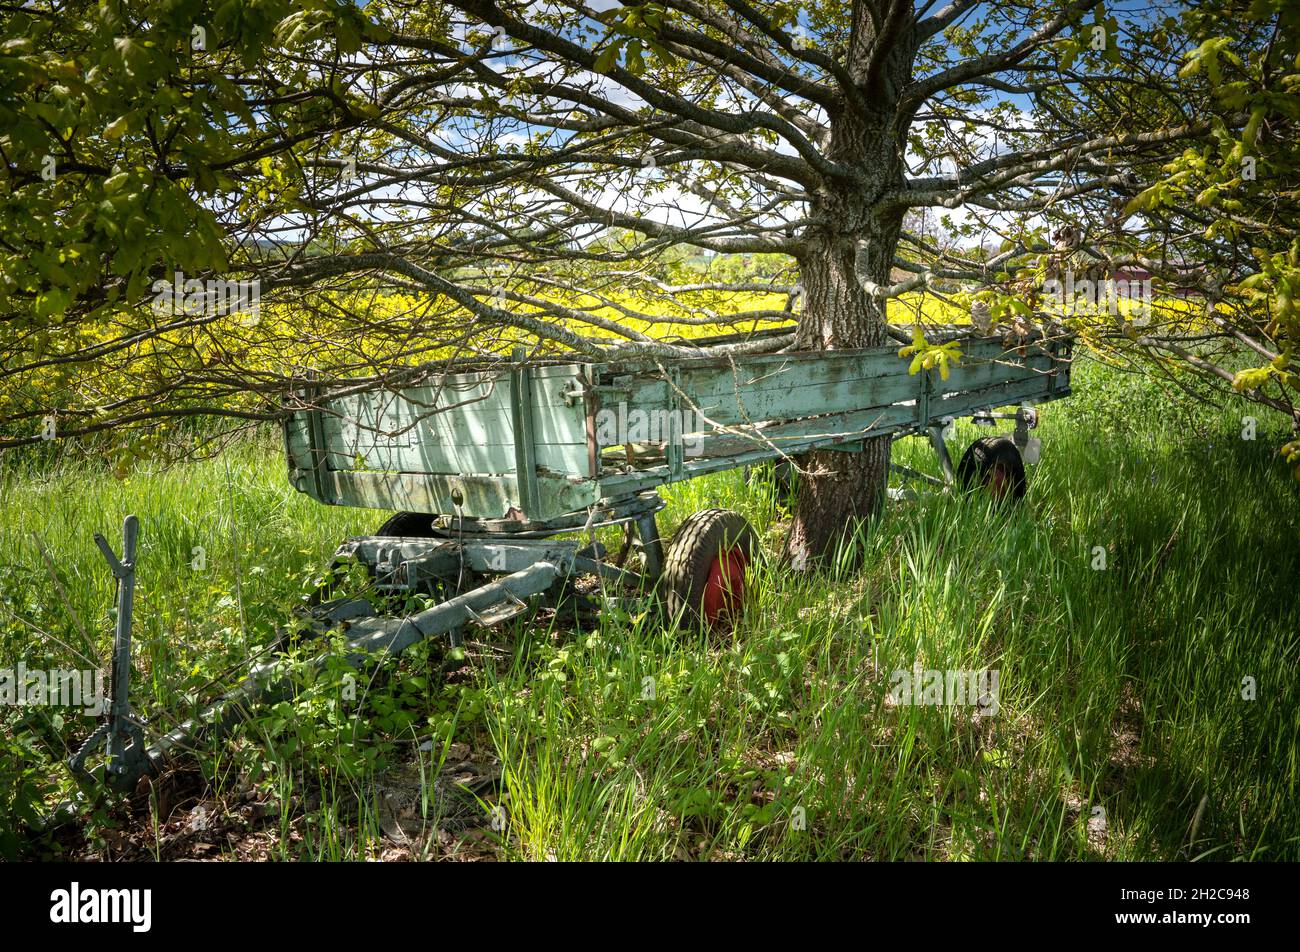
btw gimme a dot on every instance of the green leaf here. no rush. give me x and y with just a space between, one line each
1251 379
608 58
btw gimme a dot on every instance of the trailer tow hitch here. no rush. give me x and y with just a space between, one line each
369 639
127 751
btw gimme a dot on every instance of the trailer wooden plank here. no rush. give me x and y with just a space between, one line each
998 395
751 392
726 451
976 376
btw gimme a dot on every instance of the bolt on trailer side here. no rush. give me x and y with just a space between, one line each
535 443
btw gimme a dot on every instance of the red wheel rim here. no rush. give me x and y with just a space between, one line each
999 481
724 592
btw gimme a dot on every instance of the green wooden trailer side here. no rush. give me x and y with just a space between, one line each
534 443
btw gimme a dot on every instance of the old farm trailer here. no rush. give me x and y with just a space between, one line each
535 448
498 477
486 467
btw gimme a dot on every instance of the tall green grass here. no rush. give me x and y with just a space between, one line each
1121 730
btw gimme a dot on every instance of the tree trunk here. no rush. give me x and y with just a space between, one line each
852 235
839 490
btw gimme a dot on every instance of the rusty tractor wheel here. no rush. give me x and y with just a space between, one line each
704 572
993 464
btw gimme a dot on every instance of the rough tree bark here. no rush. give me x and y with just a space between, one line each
839 489
853 239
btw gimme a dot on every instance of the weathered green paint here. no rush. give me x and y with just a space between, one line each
461 428
773 387
525 437
473 434
486 497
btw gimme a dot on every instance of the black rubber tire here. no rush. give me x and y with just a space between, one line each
691 553
409 525
980 465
